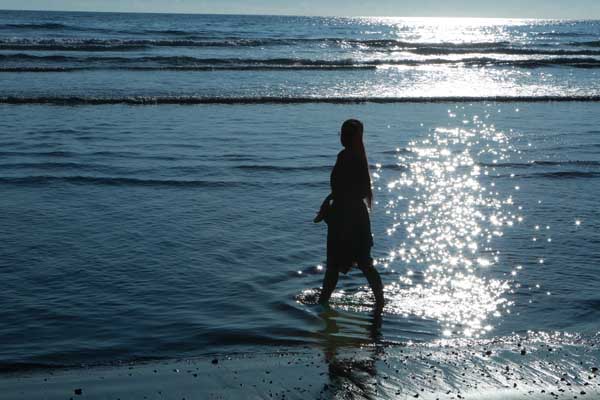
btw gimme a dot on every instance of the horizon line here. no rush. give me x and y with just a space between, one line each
304 15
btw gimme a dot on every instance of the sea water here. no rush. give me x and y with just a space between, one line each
158 180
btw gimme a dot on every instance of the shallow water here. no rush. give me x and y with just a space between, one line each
171 231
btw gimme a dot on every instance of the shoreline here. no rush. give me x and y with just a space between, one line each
507 368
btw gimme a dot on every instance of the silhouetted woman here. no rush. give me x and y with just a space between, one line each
349 239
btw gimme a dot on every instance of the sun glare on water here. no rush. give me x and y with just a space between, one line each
448 229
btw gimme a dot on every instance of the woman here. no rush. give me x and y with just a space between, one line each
349 239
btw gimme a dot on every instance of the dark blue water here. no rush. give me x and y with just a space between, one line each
172 230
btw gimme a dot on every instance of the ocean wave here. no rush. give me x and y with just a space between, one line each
584 163
50 165
504 51
47 362
87 44
554 175
38 153
76 167
177 32
560 34
116 181
43 25
75 155
14 367
187 62
72 47
97 44
277 168
43 180
118 44
564 175
135 45
51 26
592 43
41 69
194 68
180 60
153 100
397 151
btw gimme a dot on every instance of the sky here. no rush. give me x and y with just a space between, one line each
417 8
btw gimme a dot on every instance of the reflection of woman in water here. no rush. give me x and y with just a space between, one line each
349 239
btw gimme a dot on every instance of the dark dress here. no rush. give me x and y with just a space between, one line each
349 238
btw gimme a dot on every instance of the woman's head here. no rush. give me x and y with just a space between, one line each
352 132
352 140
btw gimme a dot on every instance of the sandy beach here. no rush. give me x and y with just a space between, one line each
538 367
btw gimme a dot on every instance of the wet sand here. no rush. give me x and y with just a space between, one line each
537 367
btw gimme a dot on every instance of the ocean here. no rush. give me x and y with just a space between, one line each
159 175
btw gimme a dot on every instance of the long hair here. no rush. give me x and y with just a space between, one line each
352 139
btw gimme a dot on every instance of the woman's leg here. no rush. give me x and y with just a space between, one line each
374 282
329 283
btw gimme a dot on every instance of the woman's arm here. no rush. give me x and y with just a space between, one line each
366 183
323 209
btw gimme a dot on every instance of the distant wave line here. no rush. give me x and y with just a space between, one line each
554 175
118 181
252 167
193 62
51 26
54 165
41 180
585 163
416 48
70 154
155 100
591 43
201 39
504 51
192 68
110 44
195 33
124 44
276 168
45 25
